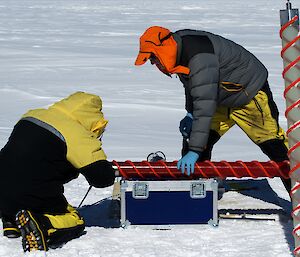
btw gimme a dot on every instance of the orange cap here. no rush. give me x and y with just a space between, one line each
159 41
148 41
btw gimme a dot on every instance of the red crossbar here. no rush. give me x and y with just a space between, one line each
168 170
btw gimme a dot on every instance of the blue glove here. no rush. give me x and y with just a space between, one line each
185 126
188 161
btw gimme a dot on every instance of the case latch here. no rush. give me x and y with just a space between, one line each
140 190
198 190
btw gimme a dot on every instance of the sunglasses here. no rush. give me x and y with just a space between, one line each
154 60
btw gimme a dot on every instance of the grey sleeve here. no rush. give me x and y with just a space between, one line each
188 98
203 87
188 101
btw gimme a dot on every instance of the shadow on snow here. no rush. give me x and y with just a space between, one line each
106 212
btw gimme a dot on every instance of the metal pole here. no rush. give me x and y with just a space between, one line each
289 19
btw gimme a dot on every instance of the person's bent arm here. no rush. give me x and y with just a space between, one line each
204 78
99 174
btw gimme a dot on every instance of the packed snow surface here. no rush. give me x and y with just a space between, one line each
52 48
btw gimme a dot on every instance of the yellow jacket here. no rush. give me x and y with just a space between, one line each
80 121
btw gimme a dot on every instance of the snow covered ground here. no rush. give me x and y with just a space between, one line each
52 48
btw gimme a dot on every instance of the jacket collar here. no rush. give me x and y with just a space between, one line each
178 40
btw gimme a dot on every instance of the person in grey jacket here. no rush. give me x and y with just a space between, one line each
224 85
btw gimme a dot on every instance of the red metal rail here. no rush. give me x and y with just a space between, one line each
167 170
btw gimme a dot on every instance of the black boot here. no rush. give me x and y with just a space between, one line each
62 236
32 231
10 228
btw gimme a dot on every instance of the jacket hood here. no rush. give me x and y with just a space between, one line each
84 108
160 42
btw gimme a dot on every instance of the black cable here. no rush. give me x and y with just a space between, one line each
85 196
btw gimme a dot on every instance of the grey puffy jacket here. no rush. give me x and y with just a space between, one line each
222 73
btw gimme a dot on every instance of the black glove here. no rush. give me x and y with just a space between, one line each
185 126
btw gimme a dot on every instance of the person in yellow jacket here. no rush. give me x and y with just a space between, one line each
46 149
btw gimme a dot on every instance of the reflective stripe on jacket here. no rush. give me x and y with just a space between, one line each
80 121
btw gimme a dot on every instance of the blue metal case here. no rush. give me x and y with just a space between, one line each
164 203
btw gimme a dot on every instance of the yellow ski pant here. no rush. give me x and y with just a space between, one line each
255 119
71 219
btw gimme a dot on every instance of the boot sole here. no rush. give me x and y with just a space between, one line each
11 232
32 236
